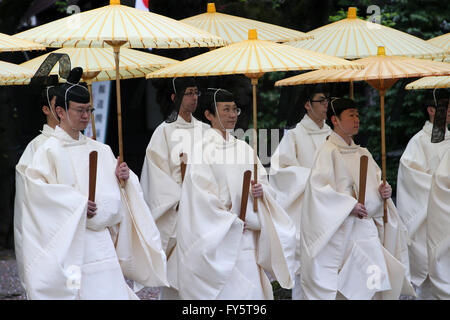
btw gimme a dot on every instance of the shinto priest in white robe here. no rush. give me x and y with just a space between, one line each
216 259
438 226
24 161
67 256
161 178
291 164
339 252
417 165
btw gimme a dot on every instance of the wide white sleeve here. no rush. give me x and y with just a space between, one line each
438 226
208 236
52 227
413 186
328 200
138 242
161 191
277 241
287 175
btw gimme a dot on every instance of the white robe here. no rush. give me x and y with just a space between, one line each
161 172
340 253
216 259
438 230
161 183
64 254
417 165
291 164
24 161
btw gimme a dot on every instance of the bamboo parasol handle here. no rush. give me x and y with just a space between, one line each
92 174
116 47
245 189
255 140
362 179
383 153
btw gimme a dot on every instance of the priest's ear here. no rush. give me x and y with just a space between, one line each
172 97
307 105
60 112
46 110
208 115
334 121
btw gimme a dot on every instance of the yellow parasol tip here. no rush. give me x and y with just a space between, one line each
252 34
211 8
351 14
381 51
114 2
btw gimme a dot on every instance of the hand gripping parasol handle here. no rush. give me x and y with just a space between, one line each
245 189
92 174
362 178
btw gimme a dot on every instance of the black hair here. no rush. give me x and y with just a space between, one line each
47 95
72 90
179 86
314 89
433 97
220 95
337 106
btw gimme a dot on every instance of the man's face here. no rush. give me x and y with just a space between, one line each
319 105
190 100
228 113
349 122
79 114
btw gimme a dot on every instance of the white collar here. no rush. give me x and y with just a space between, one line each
67 140
311 127
342 144
47 130
214 136
428 129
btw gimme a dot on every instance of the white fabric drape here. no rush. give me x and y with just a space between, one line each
438 226
216 259
340 252
417 165
64 255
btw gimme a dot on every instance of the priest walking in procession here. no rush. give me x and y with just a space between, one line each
347 252
219 255
438 226
292 161
418 163
161 177
74 247
47 103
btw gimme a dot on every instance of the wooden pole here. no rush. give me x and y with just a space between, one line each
383 152
92 174
255 140
245 188
363 162
116 47
119 101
